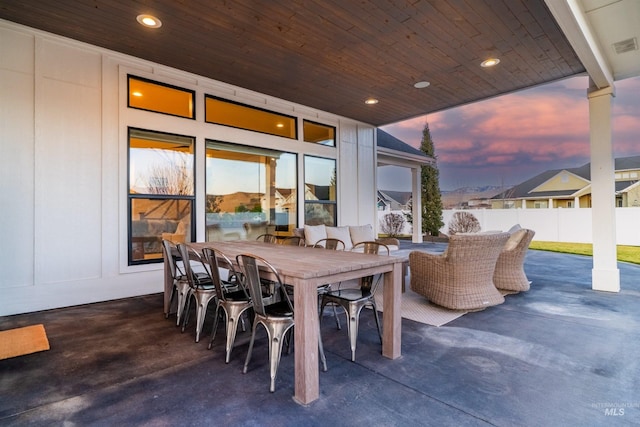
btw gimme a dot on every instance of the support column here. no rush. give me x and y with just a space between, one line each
416 204
605 273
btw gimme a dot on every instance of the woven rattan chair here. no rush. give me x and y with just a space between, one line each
509 274
462 277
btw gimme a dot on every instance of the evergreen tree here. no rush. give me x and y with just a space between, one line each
431 199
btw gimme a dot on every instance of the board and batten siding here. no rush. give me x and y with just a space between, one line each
63 157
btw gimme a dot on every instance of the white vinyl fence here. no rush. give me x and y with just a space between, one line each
552 225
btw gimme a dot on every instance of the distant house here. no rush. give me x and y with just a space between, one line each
571 188
393 200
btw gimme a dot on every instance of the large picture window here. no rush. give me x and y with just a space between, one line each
161 192
249 191
320 206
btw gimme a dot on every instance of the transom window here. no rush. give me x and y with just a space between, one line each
223 112
319 133
148 95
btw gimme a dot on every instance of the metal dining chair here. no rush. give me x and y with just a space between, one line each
276 318
353 300
201 287
267 238
336 245
232 297
180 288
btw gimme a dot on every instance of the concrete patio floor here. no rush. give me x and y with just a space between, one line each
558 355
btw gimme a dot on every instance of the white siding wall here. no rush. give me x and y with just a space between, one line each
63 166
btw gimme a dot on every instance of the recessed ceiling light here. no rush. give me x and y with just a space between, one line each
279 125
370 101
149 21
490 62
421 85
136 93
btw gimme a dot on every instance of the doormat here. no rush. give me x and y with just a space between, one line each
21 341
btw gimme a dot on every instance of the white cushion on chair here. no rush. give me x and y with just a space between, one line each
341 233
313 233
361 233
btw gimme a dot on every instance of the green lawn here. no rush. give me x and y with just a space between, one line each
625 253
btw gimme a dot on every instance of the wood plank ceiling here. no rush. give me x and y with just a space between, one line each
331 54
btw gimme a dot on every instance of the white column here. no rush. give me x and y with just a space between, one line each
416 204
605 273
524 203
550 204
576 202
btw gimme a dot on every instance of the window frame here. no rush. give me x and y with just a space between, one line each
170 86
145 196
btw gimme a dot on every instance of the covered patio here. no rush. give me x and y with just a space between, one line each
560 354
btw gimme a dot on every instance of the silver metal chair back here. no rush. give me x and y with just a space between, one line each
331 244
367 285
251 270
267 238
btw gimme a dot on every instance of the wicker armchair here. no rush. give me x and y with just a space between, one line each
462 277
509 274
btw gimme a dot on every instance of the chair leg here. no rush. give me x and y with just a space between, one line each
233 314
253 337
201 312
323 358
354 323
183 298
215 325
187 310
375 315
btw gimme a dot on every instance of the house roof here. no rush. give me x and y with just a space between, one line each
399 197
386 140
333 54
524 189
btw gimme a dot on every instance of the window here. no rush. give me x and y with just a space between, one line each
222 112
161 192
249 191
161 98
320 191
319 134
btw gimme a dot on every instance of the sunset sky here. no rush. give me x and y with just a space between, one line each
509 139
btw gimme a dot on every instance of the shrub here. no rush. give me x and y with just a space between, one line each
392 224
463 222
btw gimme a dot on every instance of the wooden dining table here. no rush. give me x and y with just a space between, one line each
306 268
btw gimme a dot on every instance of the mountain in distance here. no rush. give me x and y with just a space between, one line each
454 198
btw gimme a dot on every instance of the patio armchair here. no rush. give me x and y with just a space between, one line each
509 274
462 277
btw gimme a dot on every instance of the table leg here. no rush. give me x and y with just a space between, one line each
391 318
305 305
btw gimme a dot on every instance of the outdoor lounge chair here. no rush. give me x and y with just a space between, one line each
509 274
462 277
